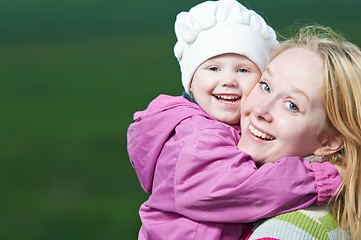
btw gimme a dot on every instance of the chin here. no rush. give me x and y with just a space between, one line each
233 122
228 121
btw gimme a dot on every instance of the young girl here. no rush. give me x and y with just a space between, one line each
335 88
184 149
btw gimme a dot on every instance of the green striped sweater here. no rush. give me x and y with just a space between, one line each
311 223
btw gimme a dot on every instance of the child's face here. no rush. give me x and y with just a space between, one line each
220 82
284 113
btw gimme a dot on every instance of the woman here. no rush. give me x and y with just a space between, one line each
340 85
184 149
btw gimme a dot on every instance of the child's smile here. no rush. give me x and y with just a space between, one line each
226 98
219 84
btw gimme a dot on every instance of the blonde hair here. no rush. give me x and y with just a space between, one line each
342 101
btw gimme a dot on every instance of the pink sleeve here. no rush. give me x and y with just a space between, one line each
327 181
214 181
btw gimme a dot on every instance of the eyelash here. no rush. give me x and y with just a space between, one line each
214 69
241 70
293 110
264 84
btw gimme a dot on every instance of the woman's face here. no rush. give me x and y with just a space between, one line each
284 113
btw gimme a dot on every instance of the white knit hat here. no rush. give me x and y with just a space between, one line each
212 28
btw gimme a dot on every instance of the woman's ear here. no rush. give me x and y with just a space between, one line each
330 145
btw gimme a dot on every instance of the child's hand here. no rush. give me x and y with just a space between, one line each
341 170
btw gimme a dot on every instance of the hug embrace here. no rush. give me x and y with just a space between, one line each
264 143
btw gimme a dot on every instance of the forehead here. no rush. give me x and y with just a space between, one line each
298 70
297 64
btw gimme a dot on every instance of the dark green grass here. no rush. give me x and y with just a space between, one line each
65 170
72 75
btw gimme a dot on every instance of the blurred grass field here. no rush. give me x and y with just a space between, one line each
73 73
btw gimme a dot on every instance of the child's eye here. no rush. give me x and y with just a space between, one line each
293 107
242 70
215 69
264 86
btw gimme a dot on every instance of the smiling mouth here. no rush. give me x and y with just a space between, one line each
227 98
259 134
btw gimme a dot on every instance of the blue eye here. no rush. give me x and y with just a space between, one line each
214 69
265 86
242 70
292 106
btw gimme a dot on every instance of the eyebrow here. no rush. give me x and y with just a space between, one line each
296 89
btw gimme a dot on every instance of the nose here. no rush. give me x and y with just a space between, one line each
262 111
229 80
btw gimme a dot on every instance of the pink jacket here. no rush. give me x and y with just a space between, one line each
201 185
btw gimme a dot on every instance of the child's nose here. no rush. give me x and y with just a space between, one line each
229 79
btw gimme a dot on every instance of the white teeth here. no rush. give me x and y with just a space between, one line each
227 97
259 133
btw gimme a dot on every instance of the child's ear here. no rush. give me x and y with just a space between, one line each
329 145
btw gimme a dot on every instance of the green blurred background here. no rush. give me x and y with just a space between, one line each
73 72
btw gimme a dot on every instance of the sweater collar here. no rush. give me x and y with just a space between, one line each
188 97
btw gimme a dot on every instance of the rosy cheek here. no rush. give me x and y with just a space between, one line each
285 123
246 106
247 89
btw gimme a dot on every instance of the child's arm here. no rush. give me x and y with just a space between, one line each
216 182
327 179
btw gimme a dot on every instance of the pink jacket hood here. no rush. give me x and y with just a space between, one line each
151 129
